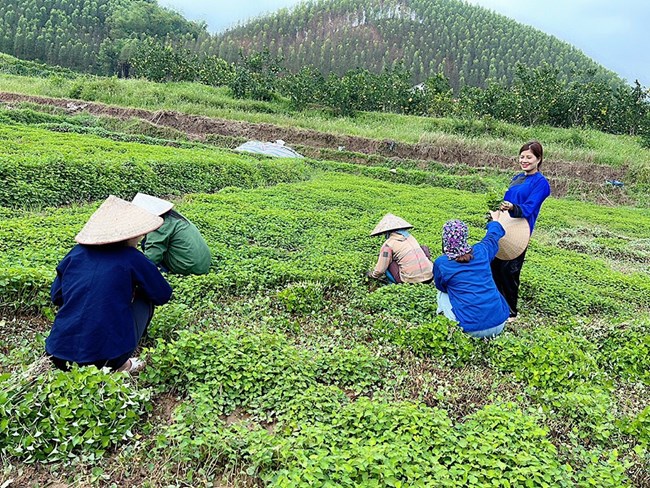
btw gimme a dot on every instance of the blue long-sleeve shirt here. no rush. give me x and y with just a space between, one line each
475 300
527 193
94 288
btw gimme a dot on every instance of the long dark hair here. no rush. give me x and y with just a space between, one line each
536 148
465 258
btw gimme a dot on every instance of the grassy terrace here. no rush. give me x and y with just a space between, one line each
191 98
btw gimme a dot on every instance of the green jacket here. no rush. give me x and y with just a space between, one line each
178 246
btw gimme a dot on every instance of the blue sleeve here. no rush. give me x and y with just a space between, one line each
540 190
438 279
495 232
56 292
150 281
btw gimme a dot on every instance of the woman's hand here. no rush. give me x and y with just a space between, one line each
506 206
495 214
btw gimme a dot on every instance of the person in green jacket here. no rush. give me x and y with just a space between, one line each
177 245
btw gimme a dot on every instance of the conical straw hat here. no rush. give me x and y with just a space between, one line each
516 239
390 222
156 206
117 220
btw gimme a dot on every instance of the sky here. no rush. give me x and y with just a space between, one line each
611 32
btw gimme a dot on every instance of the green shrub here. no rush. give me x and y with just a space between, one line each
599 468
587 411
59 415
197 432
169 320
367 444
52 169
371 443
625 351
501 445
638 427
356 368
558 282
317 404
25 289
257 371
546 358
247 369
302 298
415 303
440 338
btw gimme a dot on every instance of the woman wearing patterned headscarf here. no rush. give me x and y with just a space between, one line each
466 291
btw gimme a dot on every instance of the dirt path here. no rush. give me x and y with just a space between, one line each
560 173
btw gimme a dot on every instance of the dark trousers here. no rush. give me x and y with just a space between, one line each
506 277
142 313
392 273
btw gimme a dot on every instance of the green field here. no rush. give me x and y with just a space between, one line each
284 366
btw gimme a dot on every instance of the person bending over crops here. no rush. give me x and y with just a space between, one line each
523 199
467 293
176 246
106 290
401 258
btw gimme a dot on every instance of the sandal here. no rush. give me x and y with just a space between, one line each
133 365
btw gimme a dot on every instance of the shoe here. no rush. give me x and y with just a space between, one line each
512 319
133 366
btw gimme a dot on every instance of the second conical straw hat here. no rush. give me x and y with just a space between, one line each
155 205
117 220
390 222
516 239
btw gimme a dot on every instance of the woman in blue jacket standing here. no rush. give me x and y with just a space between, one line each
466 291
106 291
524 198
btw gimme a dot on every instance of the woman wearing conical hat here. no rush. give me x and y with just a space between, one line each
401 258
466 291
177 245
106 290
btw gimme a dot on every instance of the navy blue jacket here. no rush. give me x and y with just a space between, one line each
476 302
527 193
94 287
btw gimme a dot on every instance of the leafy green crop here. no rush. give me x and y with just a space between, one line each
547 358
42 168
258 372
59 415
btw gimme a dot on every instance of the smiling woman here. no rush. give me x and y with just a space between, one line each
524 199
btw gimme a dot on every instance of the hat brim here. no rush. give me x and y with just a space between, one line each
155 205
390 223
117 220
516 239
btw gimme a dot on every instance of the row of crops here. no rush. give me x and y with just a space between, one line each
284 367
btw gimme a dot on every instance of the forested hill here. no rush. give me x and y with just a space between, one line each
468 42
94 36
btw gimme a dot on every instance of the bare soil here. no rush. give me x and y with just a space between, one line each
564 176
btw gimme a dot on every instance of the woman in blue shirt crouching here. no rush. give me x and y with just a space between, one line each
466 291
106 290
